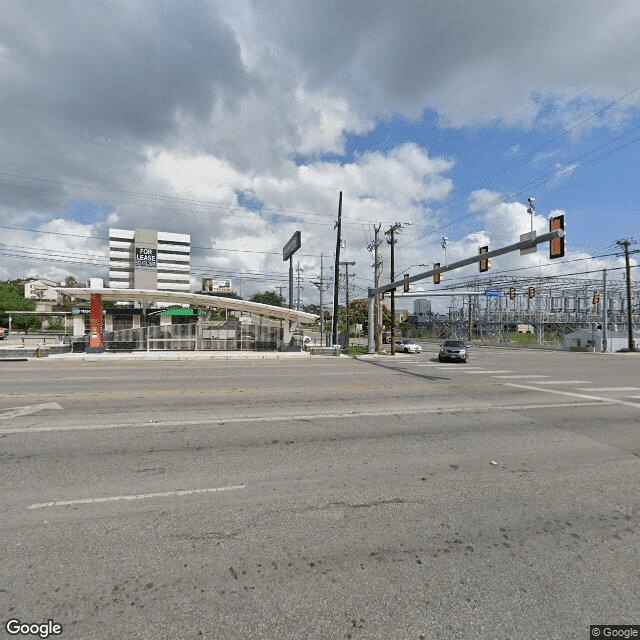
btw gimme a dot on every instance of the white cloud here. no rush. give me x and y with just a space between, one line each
208 100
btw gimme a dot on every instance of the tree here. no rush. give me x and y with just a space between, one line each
268 297
12 299
359 313
70 281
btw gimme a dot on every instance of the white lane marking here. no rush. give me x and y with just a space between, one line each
140 496
575 395
16 412
462 367
532 375
601 389
453 368
336 373
562 382
498 371
326 416
485 371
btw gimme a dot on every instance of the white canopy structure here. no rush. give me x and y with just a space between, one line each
194 299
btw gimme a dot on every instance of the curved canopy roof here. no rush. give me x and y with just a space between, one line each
194 299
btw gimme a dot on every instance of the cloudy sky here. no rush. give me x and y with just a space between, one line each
239 122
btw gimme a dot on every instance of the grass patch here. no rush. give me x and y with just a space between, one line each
360 350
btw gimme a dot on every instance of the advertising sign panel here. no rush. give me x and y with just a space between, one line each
146 257
292 246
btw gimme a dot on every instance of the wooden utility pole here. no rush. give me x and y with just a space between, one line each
625 245
379 297
347 265
392 241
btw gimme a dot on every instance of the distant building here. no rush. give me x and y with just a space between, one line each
147 259
43 291
421 307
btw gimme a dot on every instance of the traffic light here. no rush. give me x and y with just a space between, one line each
532 292
484 265
437 276
407 286
556 246
596 297
512 294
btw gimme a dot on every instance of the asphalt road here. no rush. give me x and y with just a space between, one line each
324 498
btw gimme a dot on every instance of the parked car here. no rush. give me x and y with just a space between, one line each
386 337
3 333
407 346
454 350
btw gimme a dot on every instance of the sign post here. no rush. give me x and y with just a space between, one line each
288 250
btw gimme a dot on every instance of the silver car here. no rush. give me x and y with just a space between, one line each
454 350
408 346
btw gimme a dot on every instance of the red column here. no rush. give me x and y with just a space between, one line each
96 337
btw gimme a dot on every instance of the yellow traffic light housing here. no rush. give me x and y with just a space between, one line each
484 265
437 276
556 245
407 285
532 292
512 294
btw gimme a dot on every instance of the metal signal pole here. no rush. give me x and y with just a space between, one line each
336 276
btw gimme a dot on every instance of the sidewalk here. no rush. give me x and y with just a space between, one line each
18 354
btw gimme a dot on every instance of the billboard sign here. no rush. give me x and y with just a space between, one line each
292 246
146 257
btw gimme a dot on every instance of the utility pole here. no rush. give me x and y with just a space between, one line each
347 265
377 266
604 311
336 275
392 241
322 289
299 271
625 245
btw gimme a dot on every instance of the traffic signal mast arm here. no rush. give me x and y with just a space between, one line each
524 244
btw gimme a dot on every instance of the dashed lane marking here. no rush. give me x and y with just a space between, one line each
610 389
575 395
562 382
528 375
140 496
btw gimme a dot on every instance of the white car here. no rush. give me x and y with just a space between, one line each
407 346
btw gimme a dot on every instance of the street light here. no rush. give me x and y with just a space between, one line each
531 210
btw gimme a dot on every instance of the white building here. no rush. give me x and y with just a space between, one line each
421 307
147 259
43 291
